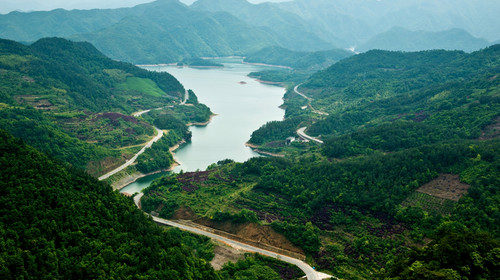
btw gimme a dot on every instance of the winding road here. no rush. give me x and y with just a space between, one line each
296 90
303 135
159 134
311 274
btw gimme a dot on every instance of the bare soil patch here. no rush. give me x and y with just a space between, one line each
262 234
184 213
254 232
224 254
447 186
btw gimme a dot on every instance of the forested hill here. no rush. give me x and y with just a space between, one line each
80 74
405 185
162 31
59 223
70 101
446 88
312 61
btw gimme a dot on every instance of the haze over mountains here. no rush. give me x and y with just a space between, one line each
168 31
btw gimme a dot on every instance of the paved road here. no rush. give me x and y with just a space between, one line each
302 134
186 97
159 134
296 89
132 160
311 274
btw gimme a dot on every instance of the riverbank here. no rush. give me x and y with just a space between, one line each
202 123
267 65
255 149
132 178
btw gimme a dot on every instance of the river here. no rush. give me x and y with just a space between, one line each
242 105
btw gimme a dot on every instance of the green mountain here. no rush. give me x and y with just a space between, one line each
168 31
291 30
297 60
400 39
448 89
70 101
59 223
404 186
29 27
163 31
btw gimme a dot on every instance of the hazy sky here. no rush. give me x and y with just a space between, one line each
7 6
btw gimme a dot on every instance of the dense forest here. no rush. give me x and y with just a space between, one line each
59 223
405 185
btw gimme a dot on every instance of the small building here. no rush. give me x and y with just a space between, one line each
289 141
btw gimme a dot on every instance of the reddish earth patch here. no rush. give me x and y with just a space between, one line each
184 213
248 231
115 116
447 186
191 181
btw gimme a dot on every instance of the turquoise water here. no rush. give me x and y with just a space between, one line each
242 105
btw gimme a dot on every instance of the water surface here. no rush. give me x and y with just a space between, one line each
242 105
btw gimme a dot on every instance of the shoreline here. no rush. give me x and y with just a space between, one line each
132 178
203 123
267 65
255 149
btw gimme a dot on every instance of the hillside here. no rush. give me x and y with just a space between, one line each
171 31
59 223
312 61
410 154
72 102
167 31
401 39
291 31
163 31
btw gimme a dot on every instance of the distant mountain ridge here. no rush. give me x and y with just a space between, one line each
163 31
401 39
356 21
167 31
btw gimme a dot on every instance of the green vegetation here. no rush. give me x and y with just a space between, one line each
37 130
297 60
260 267
146 86
158 157
59 223
83 102
354 205
199 62
455 253
280 76
276 131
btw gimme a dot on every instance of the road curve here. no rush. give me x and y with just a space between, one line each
303 135
311 274
186 97
296 90
132 160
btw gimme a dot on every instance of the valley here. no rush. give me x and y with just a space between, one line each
227 139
